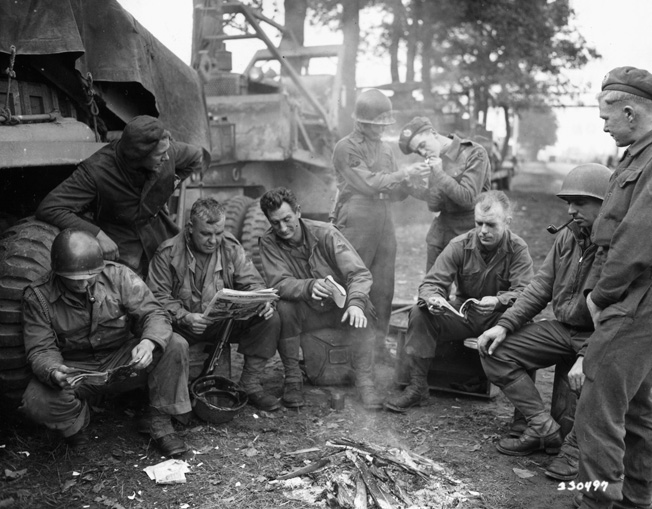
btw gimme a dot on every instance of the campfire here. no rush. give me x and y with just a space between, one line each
356 475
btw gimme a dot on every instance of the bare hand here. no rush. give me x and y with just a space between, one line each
197 322
594 310
320 290
487 305
436 304
141 355
266 310
355 316
109 248
491 339
576 374
58 376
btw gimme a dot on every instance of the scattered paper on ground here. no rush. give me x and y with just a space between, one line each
168 472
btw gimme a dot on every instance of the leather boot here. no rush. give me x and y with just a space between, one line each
518 425
163 434
417 391
363 364
250 381
289 349
565 466
542 432
293 395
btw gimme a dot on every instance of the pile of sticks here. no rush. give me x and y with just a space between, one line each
364 475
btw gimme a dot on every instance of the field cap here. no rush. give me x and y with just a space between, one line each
629 79
410 130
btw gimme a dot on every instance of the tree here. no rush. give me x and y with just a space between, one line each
538 129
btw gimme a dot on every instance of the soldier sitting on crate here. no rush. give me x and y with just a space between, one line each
490 264
186 273
513 346
81 316
297 256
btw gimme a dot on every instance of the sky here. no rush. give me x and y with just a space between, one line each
618 29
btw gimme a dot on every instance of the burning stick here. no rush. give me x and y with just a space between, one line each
308 469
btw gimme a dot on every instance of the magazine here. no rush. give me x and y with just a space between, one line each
338 293
237 304
464 308
90 377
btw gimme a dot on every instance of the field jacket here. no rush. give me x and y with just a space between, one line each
123 307
129 205
330 254
465 173
622 269
506 275
561 280
367 167
172 270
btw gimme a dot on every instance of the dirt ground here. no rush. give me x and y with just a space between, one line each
231 465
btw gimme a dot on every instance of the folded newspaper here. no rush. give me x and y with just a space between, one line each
237 304
464 308
90 377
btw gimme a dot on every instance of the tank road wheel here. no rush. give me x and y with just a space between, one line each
236 211
24 257
255 224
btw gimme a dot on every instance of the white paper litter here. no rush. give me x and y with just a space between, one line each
168 472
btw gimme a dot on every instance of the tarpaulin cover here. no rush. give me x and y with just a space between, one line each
102 38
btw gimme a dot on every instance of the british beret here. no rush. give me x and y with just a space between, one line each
140 137
410 130
629 79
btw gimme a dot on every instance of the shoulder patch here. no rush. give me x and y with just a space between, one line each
354 161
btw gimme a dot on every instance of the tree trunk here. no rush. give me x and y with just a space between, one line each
351 33
426 37
396 34
508 132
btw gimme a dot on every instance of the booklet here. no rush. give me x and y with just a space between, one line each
338 293
237 304
90 377
464 308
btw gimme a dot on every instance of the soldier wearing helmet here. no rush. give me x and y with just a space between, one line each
460 171
81 316
514 346
368 180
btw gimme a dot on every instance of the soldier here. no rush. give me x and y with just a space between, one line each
460 171
186 273
614 412
82 316
490 264
514 346
297 255
368 180
125 186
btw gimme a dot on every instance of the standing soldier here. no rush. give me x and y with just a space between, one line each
614 413
460 172
125 186
368 180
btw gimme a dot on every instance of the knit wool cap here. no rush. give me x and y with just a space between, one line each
140 137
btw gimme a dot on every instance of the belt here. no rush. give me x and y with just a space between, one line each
375 197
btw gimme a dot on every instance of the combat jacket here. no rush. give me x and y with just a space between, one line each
129 205
171 273
74 329
330 254
621 274
465 173
506 275
367 167
561 280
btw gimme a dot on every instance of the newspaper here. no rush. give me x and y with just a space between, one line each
90 377
464 308
239 305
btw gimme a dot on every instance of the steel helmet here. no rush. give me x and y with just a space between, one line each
373 107
589 180
76 254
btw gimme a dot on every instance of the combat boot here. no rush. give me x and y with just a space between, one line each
163 434
250 382
565 466
293 395
363 364
416 393
518 425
